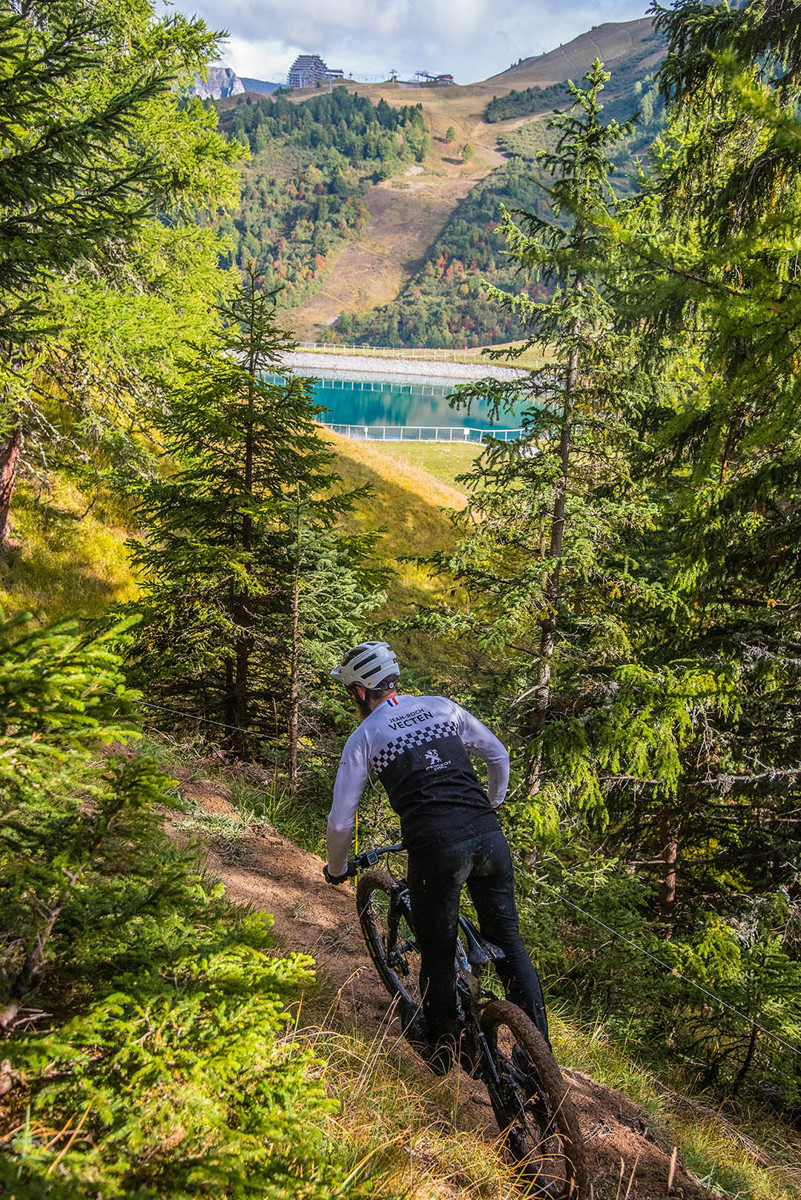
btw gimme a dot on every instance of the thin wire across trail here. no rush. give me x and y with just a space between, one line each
192 717
647 954
176 712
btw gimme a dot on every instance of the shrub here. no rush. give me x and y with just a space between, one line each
145 1020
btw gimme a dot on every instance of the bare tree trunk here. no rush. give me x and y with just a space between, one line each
35 960
229 694
542 691
669 831
294 682
241 687
241 607
9 465
749 1058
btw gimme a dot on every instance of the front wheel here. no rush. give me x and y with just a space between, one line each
386 924
530 1100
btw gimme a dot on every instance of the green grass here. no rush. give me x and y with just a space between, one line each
65 555
68 556
716 1154
443 462
589 1049
404 1127
723 1153
407 502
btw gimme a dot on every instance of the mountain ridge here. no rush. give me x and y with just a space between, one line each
222 82
610 41
409 212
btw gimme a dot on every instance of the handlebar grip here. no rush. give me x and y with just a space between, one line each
370 858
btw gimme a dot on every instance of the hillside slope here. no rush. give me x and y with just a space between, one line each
406 216
68 555
630 1149
408 213
615 43
407 501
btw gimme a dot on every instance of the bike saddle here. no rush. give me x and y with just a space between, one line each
479 950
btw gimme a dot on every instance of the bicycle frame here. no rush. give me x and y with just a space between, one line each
526 1090
464 968
468 975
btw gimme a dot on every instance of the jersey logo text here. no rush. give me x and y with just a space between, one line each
416 717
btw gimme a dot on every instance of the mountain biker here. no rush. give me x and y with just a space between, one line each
418 746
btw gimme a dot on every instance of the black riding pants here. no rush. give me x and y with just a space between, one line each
436 878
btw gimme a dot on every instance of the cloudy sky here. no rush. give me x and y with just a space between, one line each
470 39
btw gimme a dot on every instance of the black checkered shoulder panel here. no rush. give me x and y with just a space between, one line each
415 737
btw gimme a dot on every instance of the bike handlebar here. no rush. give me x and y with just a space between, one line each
370 858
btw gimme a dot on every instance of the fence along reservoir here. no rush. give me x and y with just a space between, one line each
380 409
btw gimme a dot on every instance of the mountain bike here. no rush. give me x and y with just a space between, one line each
499 1044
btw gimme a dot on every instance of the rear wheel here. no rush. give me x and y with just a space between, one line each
530 1100
386 924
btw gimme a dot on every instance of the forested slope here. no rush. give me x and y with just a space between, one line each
616 595
446 303
315 155
303 194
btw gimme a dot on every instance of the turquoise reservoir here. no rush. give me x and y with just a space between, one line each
409 406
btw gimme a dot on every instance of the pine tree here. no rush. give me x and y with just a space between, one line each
136 1004
697 744
712 279
544 551
239 543
97 139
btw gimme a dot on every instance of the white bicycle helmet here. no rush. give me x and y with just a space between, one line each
368 664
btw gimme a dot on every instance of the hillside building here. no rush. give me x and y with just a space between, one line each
309 69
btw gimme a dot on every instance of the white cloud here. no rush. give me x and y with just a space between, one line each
471 39
260 60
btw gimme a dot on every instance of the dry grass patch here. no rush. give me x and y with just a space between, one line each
402 1129
738 1158
407 215
407 467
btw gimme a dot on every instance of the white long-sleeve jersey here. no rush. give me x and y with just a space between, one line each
419 747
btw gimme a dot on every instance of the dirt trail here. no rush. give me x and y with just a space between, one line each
266 871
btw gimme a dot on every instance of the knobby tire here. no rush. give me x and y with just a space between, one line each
398 966
536 1116
534 1111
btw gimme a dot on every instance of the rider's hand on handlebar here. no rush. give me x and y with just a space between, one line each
335 879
